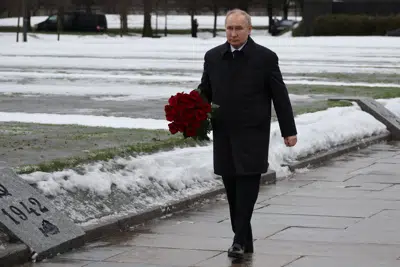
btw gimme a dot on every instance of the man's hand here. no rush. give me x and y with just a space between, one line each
290 141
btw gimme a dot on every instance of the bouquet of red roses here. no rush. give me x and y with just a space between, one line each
190 114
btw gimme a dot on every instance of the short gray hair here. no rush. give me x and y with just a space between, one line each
239 11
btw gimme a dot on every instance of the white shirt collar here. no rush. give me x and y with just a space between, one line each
240 48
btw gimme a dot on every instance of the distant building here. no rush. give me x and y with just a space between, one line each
315 8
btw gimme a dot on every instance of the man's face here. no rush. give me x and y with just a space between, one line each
237 29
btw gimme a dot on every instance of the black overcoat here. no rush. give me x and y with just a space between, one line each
244 86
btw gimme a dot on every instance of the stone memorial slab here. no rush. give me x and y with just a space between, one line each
378 111
32 218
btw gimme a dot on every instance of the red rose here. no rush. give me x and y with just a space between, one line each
180 126
170 112
186 112
196 125
201 115
187 115
195 96
191 132
207 108
173 100
173 128
187 101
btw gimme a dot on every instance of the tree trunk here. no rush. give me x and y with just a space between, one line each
166 18
192 26
286 9
147 30
157 18
215 20
28 15
60 21
192 8
269 12
19 16
123 16
25 11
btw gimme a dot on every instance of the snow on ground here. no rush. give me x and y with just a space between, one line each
391 104
173 21
13 22
134 68
183 172
318 54
84 120
144 91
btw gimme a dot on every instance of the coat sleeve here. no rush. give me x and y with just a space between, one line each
280 98
205 85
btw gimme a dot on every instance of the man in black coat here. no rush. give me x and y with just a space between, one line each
243 78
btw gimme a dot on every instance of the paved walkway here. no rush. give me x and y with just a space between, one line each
345 214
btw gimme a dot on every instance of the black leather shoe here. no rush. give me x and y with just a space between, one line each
236 251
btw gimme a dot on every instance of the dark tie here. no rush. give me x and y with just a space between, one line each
236 54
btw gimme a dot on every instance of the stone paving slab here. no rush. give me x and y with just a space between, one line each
326 249
376 179
94 253
379 168
179 242
309 234
59 262
280 189
260 260
329 193
206 229
350 184
327 211
394 160
391 193
261 220
160 256
328 202
329 175
345 214
382 228
342 262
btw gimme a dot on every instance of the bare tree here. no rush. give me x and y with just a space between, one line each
166 17
215 12
192 10
270 14
285 8
147 29
123 6
60 19
26 19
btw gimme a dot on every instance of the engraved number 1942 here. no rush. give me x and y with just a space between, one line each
18 212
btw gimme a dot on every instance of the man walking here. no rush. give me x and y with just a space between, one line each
243 78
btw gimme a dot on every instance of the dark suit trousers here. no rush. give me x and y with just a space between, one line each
242 193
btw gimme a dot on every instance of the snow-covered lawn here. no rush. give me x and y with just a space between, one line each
135 69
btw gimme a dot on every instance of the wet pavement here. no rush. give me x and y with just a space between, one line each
345 213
